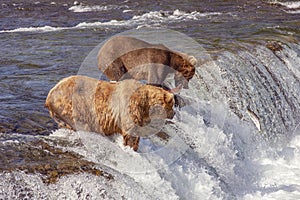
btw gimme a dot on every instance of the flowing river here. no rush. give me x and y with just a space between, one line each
238 137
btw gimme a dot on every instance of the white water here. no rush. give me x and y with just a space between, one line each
294 11
95 8
293 7
220 165
152 18
288 4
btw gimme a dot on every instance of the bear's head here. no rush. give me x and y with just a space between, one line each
149 103
185 68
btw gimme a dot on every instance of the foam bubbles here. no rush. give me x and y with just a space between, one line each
95 8
34 29
289 4
293 7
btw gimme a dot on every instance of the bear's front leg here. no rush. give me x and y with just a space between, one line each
132 141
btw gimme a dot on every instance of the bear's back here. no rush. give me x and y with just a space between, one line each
121 45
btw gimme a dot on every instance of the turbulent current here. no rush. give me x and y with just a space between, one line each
237 137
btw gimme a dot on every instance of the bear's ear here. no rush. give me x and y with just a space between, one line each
192 60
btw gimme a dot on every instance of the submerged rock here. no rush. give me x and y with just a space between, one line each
274 46
39 157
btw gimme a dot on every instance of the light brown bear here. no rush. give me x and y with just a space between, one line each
84 103
141 60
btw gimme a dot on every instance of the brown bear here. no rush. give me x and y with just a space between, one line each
135 58
125 107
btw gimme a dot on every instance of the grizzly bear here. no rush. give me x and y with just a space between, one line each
125 107
126 57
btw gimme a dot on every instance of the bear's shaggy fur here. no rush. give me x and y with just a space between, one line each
138 59
83 103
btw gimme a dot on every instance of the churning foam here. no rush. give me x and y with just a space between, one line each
289 4
293 7
96 8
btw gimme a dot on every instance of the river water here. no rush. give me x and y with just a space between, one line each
238 138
